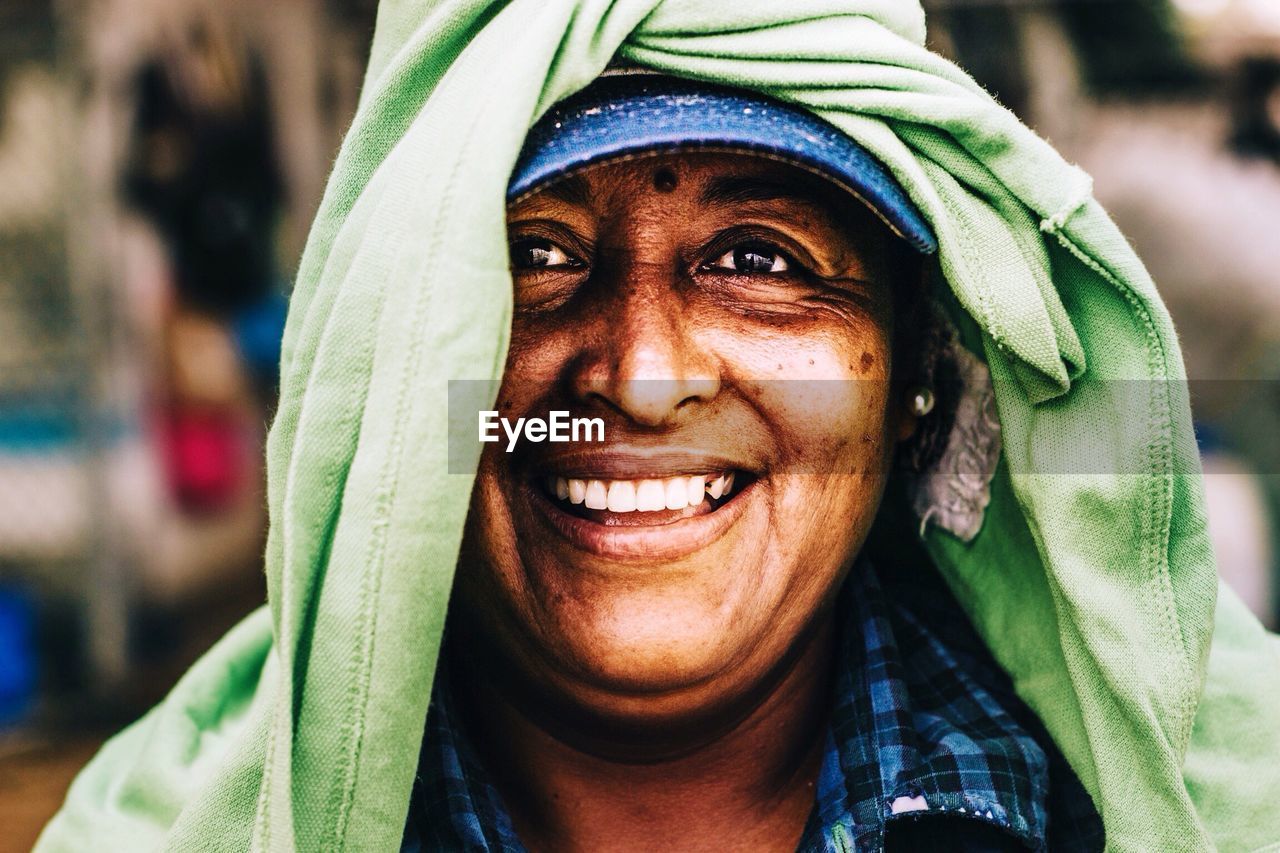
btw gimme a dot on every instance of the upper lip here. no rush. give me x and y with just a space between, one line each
636 463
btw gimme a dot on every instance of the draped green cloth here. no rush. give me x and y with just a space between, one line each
1096 589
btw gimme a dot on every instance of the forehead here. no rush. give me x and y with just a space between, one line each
728 181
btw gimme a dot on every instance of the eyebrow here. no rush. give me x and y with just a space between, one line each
736 189
571 190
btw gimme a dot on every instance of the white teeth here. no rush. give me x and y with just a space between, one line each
651 496
697 488
622 496
716 487
677 493
595 495
673 493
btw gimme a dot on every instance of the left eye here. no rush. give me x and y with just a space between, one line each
752 258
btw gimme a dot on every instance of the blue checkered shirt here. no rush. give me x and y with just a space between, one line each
927 746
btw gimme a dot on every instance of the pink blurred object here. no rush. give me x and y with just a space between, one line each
207 455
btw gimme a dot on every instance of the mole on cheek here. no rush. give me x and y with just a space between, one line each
664 180
867 360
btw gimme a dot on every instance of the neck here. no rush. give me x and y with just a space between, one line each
740 778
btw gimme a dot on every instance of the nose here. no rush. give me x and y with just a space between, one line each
645 360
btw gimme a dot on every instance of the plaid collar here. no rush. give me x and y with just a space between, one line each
925 732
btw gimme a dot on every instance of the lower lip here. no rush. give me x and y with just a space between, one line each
640 541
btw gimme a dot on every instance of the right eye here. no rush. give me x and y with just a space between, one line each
537 253
752 258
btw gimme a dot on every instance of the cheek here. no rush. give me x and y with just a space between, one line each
489 576
822 389
540 349
489 559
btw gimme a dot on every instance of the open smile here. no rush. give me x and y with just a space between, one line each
656 517
651 501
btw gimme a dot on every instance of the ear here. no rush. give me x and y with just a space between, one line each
920 400
904 420
915 347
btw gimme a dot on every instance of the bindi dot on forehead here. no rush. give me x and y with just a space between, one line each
665 180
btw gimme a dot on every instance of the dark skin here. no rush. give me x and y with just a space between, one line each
641 676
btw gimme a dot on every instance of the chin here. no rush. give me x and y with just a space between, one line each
653 643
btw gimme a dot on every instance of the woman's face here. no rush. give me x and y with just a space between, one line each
730 320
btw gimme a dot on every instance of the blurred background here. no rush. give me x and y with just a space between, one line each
160 161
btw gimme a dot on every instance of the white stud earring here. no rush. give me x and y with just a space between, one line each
922 401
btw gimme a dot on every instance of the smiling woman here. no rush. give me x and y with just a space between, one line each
696 321
638 620
850 572
693 301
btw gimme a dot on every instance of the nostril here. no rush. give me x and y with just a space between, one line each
649 375
656 401
699 389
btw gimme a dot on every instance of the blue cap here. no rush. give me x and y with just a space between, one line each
628 114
